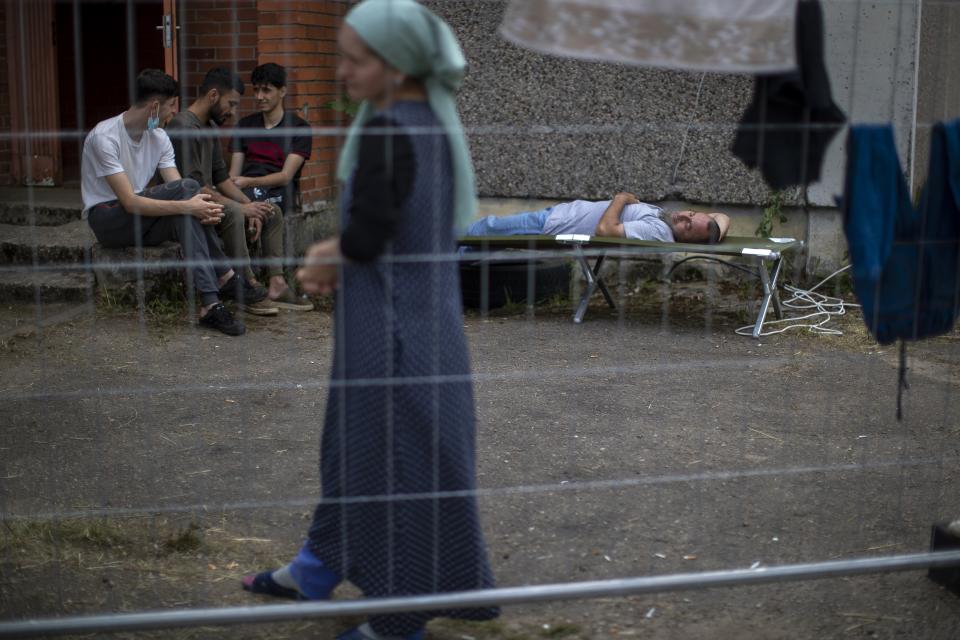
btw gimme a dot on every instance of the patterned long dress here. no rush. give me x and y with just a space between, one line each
400 424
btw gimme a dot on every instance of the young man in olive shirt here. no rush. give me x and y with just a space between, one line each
199 156
269 150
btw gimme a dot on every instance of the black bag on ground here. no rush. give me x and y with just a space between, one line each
490 284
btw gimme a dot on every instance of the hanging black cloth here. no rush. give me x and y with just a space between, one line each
800 102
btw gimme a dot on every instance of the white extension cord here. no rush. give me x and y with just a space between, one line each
824 307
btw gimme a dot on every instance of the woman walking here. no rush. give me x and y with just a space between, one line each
397 456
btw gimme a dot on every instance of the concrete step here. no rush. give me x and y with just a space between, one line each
53 286
119 269
66 243
44 207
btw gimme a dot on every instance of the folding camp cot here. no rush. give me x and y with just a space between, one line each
765 254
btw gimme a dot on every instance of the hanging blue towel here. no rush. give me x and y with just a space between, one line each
905 261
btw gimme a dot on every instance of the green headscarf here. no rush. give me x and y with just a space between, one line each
415 41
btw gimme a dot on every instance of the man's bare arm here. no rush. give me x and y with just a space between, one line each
228 193
230 190
236 164
610 224
170 174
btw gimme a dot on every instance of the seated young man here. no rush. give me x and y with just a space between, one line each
266 165
622 217
120 156
199 156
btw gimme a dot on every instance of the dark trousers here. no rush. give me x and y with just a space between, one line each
117 228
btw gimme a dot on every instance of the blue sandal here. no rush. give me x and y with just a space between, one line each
265 584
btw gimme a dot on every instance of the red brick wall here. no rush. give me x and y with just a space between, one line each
217 33
5 147
302 36
299 34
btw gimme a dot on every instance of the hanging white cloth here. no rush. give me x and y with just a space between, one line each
733 36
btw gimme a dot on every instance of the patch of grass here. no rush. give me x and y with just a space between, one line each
112 300
562 630
647 287
166 300
841 285
470 627
497 630
744 316
688 273
512 308
30 537
184 540
323 303
49 538
165 310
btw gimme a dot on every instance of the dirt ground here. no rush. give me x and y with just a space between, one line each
649 440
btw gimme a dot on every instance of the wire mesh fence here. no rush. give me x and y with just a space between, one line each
649 432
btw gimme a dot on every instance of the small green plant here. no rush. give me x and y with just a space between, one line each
511 306
773 212
557 300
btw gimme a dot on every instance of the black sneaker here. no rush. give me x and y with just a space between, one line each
240 290
222 320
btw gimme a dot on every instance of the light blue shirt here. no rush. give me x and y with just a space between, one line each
640 221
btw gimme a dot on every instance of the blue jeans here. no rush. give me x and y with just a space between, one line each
518 224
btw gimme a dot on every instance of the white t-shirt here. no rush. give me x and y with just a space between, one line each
109 150
640 221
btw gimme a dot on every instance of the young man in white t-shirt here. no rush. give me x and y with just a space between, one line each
120 157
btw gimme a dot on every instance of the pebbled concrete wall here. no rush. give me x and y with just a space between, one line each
555 128
551 121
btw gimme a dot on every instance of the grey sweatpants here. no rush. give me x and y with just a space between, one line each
116 228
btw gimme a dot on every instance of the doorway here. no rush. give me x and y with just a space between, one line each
101 47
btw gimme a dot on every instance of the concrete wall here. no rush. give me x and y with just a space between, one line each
871 58
519 93
6 149
938 95
556 128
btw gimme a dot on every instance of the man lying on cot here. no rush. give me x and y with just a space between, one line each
622 217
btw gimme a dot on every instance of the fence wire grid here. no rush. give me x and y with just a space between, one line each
669 442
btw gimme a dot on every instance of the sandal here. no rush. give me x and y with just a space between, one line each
265 584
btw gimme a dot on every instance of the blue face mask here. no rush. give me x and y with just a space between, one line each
154 121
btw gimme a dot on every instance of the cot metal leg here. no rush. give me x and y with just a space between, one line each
591 285
594 282
774 279
769 281
601 284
